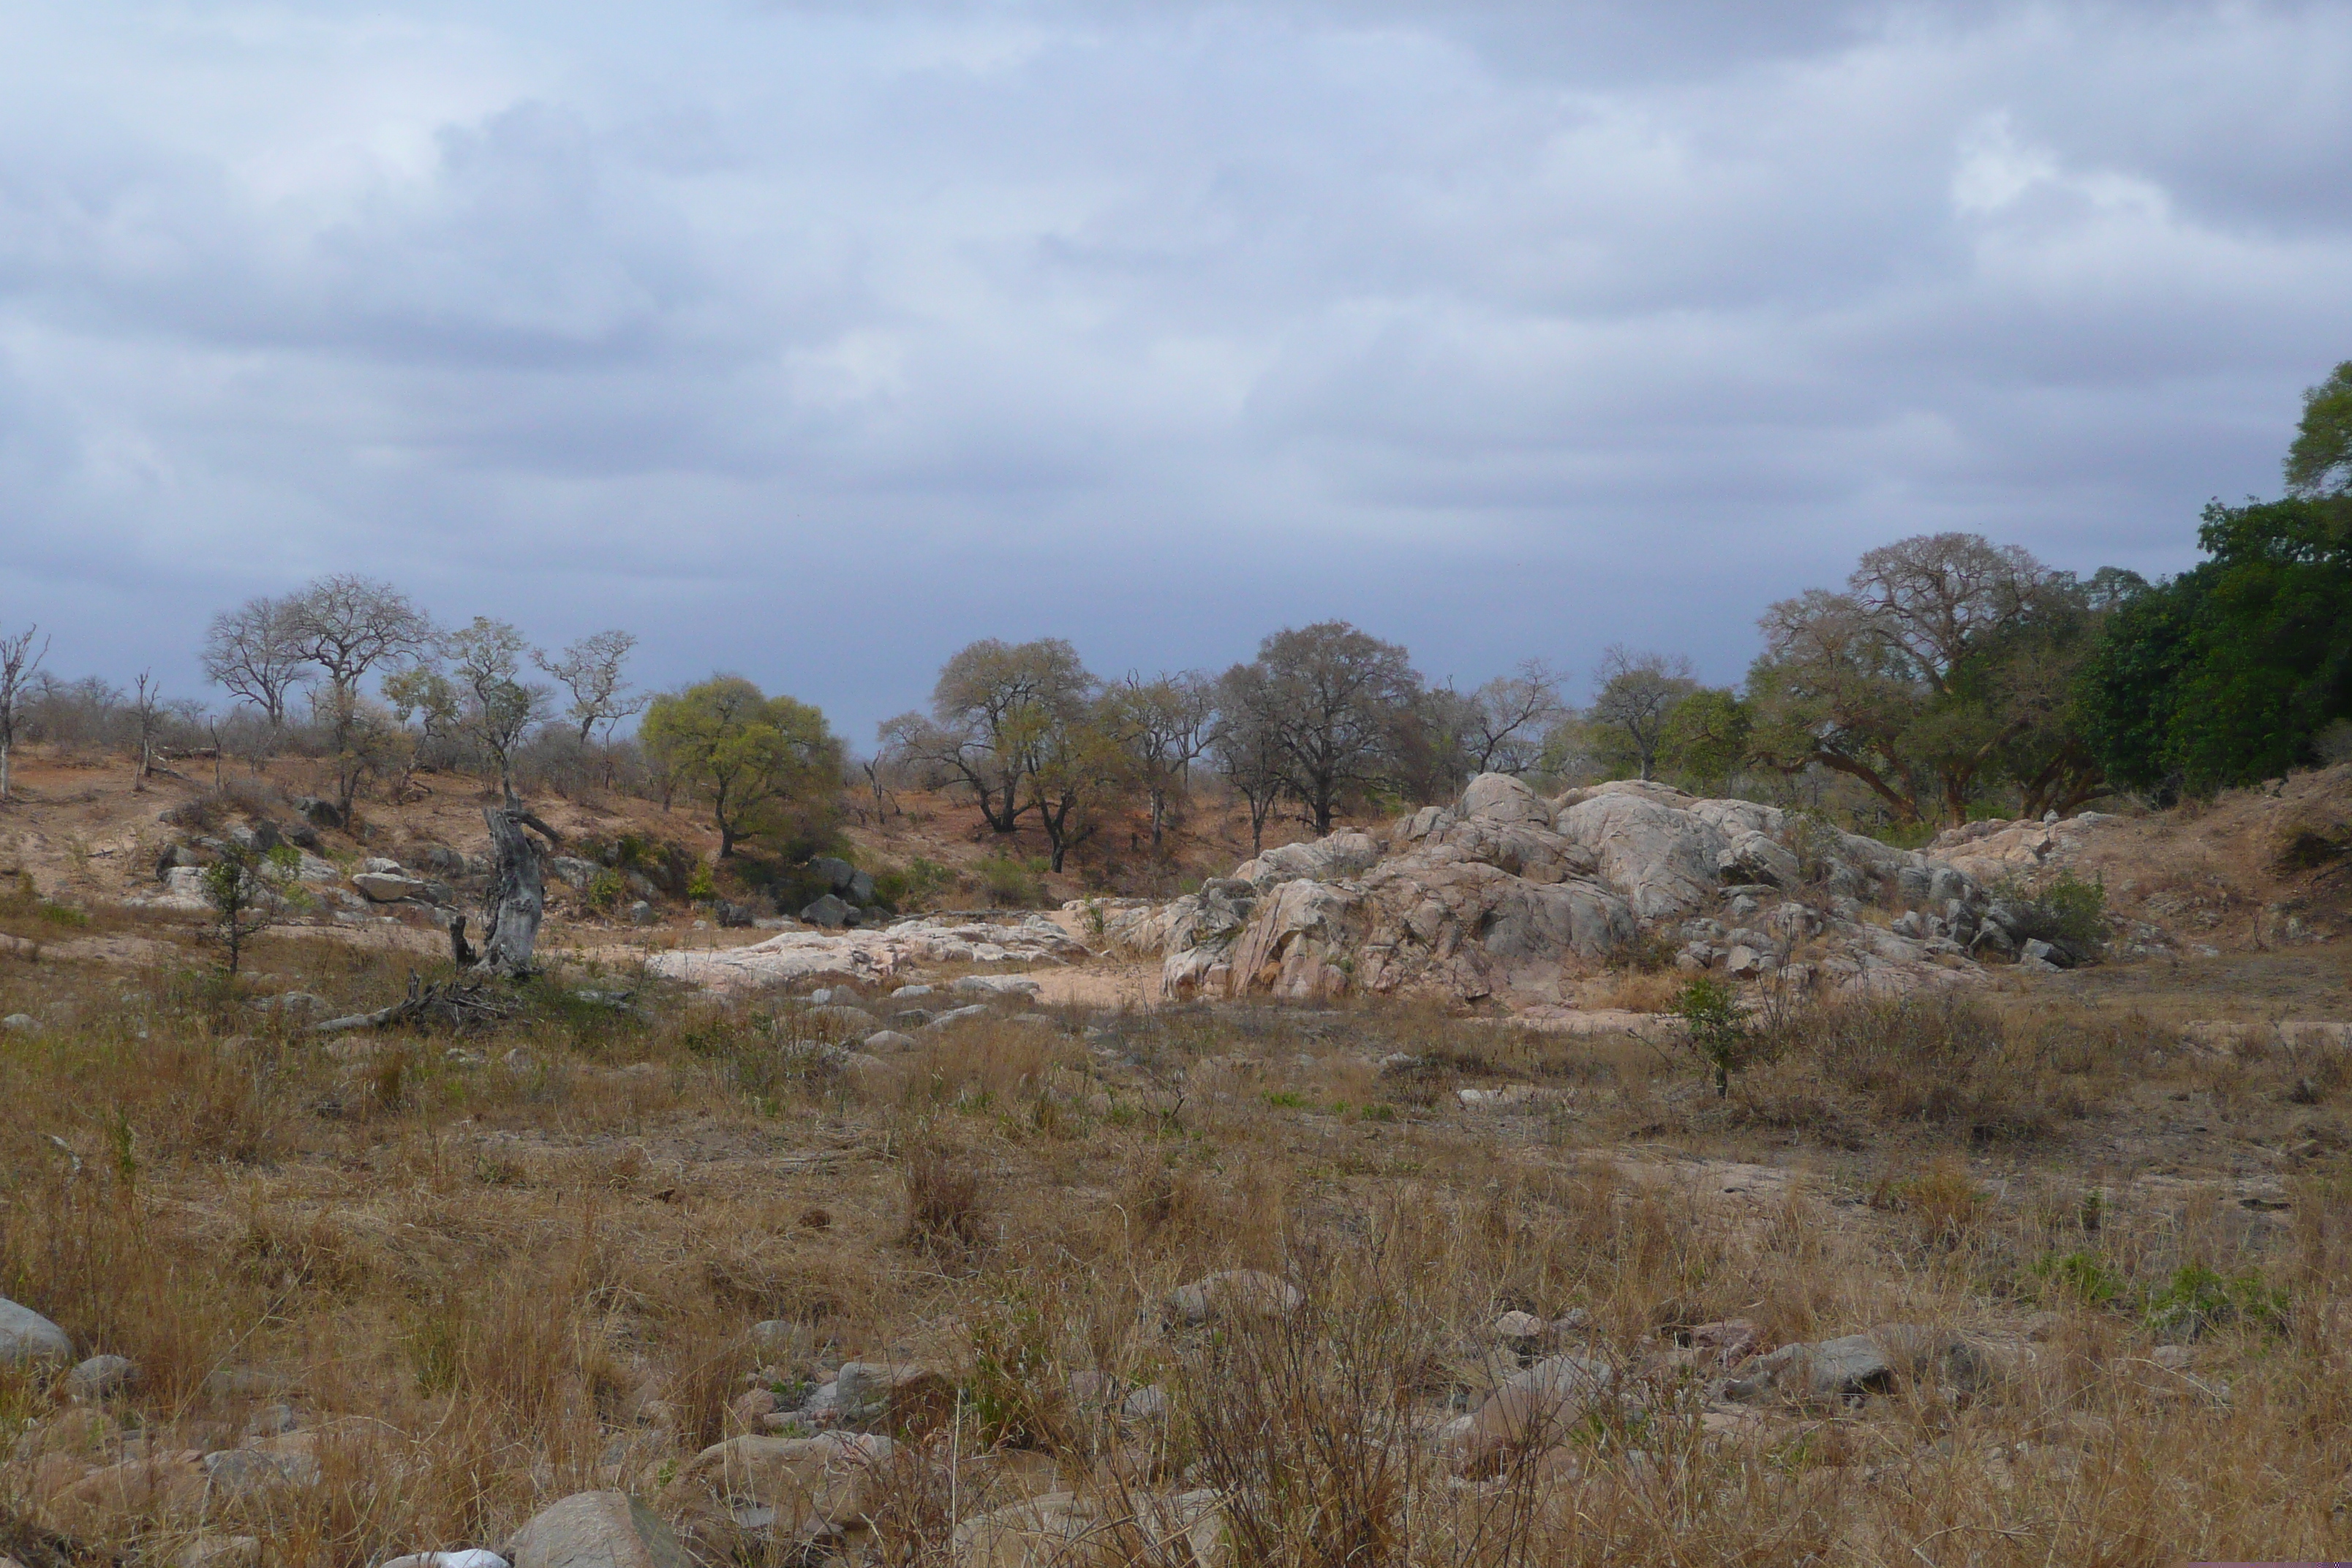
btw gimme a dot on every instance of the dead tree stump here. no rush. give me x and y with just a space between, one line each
517 898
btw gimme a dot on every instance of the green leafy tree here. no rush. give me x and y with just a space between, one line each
1633 701
2226 674
995 708
2319 462
766 766
1946 668
1705 737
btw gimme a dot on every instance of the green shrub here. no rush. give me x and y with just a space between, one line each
606 891
2084 1276
901 887
2197 1298
1709 1010
2068 912
1012 882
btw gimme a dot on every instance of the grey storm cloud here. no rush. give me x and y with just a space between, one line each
812 339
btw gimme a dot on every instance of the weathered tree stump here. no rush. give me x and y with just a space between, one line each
516 900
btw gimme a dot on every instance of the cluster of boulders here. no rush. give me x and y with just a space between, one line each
872 957
1510 895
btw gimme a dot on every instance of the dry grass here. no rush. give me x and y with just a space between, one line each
485 1273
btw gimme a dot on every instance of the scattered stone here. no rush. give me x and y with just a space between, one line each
248 1472
896 1393
887 1040
101 1377
641 913
470 1557
1532 1410
596 1529
1520 1330
907 992
388 887
953 1016
27 1337
19 1021
995 985
1233 1293
829 912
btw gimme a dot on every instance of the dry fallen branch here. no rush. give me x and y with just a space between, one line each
449 1004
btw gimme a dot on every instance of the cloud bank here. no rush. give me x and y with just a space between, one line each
812 340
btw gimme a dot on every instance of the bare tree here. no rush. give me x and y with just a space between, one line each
19 662
347 624
1162 726
1335 698
1246 745
1635 695
1504 723
486 659
147 710
255 651
591 670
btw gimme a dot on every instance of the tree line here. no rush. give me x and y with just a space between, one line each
1951 677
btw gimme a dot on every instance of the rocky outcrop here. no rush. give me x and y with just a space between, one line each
1510 895
870 955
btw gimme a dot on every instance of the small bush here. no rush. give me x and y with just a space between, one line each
1012 882
2069 913
1709 1010
2080 1277
903 887
2197 1299
604 892
944 1211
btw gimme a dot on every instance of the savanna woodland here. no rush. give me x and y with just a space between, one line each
463 1109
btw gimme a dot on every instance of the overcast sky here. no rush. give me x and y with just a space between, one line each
813 339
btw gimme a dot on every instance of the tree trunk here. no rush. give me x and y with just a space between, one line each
517 898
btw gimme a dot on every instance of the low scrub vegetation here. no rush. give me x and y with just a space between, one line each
483 1271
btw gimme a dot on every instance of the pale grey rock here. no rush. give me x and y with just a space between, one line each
596 1529
1019 985
388 887
101 1377
27 1337
1233 1293
882 1040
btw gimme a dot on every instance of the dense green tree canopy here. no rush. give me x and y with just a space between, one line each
2225 674
766 766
